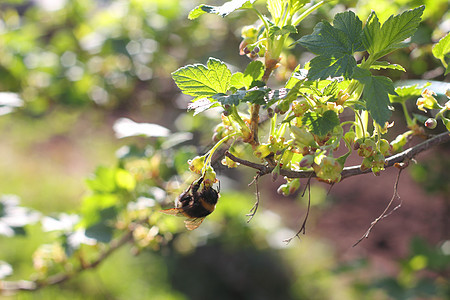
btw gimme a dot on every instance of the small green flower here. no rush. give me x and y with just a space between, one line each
328 170
209 177
427 101
196 164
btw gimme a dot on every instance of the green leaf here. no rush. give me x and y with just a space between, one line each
233 99
378 65
254 70
442 51
381 40
376 94
275 30
334 45
203 81
253 73
331 89
351 25
406 92
223 10
332 65
238 80
256 95
323 124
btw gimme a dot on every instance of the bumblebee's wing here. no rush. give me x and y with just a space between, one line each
173 211
191 224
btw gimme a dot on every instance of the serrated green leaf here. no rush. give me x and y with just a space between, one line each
323 124
256 95
275 30
334 46
203 81
378 65
376 94
233 99
331 88
332 65
324 40
442 49
371 32
351 25
223 10
381 40
254 70
239 80
406 92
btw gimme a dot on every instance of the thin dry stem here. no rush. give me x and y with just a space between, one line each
303 227
386 212
252 212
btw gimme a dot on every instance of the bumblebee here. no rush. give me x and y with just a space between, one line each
195 204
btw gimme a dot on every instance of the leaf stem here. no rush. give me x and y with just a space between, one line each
307 12
410 122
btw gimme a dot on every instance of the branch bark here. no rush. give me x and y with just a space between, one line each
353 170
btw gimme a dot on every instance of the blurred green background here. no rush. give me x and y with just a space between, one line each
80 65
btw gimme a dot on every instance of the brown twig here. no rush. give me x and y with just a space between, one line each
303 227
353 170
385 213
252 212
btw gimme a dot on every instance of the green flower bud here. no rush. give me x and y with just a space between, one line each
283 189
366 164
379 161
282 107
328 170
300 107
384 147
367 148
307 161
302 136
289 188
349 137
